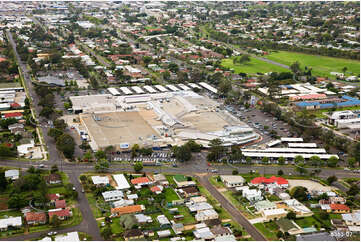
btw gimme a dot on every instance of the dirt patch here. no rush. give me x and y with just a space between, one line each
222 189
310 185
4 203
189 227
111 181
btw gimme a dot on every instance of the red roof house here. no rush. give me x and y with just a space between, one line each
339 208
272 180
16 115
35 218
53 197
141 181
60 203
61 213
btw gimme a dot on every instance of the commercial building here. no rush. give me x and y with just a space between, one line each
122 183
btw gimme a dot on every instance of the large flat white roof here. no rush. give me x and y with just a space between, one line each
149 89
286 150
286 155
184 87
137 89
121 181
113 91
286 139
273 143
302 145
208 87
172 87
125 90
193 85
161 88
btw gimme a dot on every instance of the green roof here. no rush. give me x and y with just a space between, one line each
180 178
10 84
285 224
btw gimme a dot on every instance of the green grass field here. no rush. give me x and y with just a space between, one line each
252 67
321 65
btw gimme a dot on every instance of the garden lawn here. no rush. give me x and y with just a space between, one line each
321 65
252 67
170 194
307 222
92 202
269 230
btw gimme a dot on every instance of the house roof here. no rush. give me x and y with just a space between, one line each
220 230
190 189
60 203
273 179
155 189
59 213
140 180
53 196
133 233
35 216
52 177
127 209
336 206
13 115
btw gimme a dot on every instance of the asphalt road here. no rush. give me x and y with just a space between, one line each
233 211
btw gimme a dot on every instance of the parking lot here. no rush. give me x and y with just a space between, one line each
155 157
261 122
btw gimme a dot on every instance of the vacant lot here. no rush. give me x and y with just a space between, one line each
321 65
310 185
252 67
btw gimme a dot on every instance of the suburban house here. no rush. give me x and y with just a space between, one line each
141 218
53 179
157 189
352 219
160 179
35 218
163 233
232 181
141 181
182 181
15 128
100 180
264 205
163 221
112 195
337 200
116 212
198 199
198 206
12 174
203 233
15 222
281 182
272 214
297 207
207 214
252 194
60 203
178 228
53 197
288 226
339 208
133 234
189 191
61 213
221 231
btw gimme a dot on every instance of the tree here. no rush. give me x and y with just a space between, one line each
147 60
194 147
55 221
173 67
344 69
281 160
138 166
351 161
6 151
315 160
55 133
216 150
135 149
299 192
65 143
265 160
332 161
248 160
331 179
244 58
353 190
106 233
100 154
299 159
3 181
102 165
291 215
280 172
280 234
54 169
183 153
295 67
83 178
17 201
235 172
224 87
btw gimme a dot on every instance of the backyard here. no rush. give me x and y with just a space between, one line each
252 67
